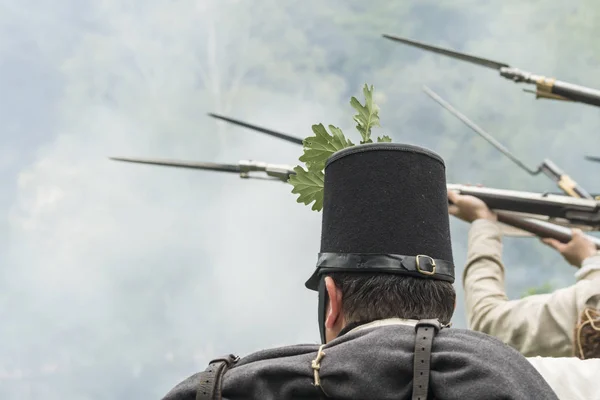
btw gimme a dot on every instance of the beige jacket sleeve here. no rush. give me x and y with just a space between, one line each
538 325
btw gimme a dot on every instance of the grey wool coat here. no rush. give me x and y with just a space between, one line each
375 361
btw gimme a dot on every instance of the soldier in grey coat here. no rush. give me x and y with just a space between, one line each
384 279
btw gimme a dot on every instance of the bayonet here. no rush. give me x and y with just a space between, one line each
269 132
592 158
564 181
548 88
244 168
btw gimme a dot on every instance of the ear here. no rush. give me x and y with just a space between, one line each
334 307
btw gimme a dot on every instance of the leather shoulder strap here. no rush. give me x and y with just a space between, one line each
426 330
211 379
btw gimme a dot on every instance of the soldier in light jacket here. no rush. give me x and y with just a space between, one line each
547 325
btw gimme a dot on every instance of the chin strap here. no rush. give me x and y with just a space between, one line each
322 305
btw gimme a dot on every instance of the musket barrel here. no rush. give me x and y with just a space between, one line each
578 93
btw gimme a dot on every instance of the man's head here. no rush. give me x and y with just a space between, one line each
363 298
385 237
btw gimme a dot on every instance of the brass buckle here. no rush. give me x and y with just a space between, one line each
432 272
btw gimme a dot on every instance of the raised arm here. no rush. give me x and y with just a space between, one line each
539 325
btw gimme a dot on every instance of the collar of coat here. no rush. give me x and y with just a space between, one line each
356 326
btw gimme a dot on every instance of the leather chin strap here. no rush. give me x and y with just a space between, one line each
322 305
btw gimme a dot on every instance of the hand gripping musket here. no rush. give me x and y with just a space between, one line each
564 181
548 88
543 215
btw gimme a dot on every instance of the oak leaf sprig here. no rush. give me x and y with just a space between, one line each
308 183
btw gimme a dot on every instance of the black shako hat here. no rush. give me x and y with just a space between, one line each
385 210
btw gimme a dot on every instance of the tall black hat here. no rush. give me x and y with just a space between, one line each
385 210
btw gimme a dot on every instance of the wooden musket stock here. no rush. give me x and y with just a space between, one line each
539 228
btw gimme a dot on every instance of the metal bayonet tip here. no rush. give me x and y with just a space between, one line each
593 158
484 62
270 132
181 164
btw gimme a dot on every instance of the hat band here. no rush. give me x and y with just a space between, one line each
421 266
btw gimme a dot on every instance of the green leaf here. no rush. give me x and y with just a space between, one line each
318 148
309 185
368 115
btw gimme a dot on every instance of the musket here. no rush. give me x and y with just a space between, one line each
564 181
531 224
557 208
547 88
535 213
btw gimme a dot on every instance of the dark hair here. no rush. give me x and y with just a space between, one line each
367 297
